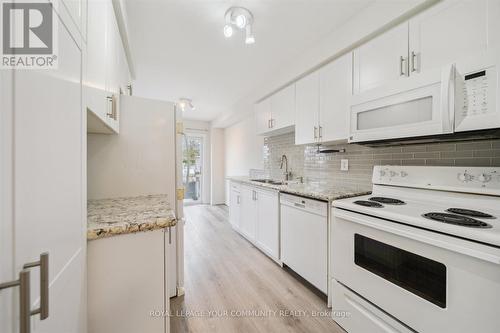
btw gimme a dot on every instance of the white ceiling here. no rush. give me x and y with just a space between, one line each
178 48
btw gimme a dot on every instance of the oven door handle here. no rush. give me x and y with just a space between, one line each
438 240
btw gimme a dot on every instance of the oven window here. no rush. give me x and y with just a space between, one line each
421 276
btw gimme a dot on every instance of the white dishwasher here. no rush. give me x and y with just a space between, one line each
304 238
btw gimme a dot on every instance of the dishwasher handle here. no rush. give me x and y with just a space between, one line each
298 205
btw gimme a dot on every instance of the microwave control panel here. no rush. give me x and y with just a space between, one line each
479 88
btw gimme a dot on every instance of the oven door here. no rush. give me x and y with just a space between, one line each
428 281
414 107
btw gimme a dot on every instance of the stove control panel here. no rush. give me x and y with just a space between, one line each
458 179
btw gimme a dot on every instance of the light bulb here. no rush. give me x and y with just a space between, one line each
240 21
228 31
250 38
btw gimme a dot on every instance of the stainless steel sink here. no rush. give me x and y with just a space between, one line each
269 181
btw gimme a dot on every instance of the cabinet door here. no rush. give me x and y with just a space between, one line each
47 185
335 94
76 9
113 41
263 116
95 74
283 108
248 212
234 208
381 60
307 109
453 30
267 229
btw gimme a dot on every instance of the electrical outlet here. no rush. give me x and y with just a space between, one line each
344 165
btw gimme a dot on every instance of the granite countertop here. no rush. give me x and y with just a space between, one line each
306 190
117 216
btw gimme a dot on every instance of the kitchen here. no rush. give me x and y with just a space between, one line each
246 166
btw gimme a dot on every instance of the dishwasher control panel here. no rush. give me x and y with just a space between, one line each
311 205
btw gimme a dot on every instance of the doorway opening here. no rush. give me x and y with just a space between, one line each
192 168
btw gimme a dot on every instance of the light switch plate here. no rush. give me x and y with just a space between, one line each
344 165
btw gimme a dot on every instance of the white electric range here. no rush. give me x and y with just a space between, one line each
422 253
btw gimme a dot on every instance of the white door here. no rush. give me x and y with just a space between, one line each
382 59
335 95
43 167
307 109
263 116
283 108
248 212
453 30
267 229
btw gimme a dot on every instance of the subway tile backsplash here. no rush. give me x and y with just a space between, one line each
324 169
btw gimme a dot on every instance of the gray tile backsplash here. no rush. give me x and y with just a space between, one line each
324 169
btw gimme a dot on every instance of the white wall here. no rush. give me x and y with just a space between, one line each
243 148
217 196
138 161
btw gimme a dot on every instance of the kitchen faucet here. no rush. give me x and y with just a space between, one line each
284 160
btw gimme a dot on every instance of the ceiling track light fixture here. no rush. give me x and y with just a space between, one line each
239 18
185 104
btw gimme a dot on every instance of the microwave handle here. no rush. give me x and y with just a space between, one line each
448 98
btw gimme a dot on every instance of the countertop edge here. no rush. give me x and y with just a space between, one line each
307 194
101 233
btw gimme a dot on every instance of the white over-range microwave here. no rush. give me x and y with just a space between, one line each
456 101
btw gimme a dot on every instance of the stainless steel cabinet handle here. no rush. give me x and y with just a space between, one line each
402 66
24 299
110 106
237 199
321 132
415 65
43 310
315 132
272 123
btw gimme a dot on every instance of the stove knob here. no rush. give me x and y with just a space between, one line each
404 173
464 177
393 173
484 178
382 173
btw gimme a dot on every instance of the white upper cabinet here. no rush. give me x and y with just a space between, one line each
323 102
382 59
335 86
445 33
95 73
77 9
263 116
307 109
107 74
283 108
276 114
453 30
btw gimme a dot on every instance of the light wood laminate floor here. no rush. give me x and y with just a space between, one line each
227 275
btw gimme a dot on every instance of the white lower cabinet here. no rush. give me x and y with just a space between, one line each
254 213
235 205
128 284
267 228
248 212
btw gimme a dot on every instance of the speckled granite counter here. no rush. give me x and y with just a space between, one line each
306 190
117 216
